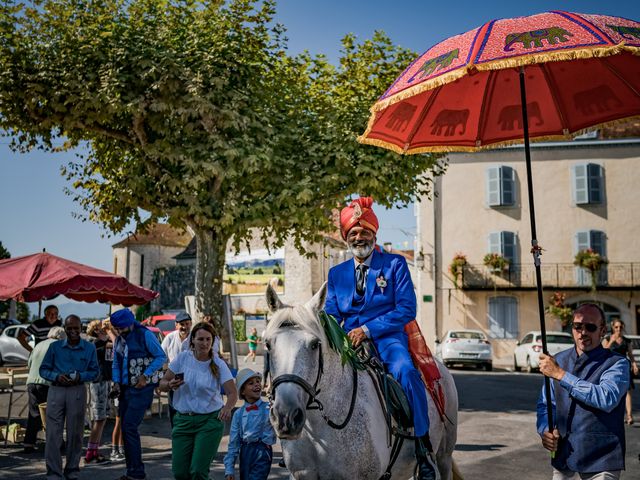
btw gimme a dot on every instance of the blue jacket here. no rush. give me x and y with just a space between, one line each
385 310
139 353
589 420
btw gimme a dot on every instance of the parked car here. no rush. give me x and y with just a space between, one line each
635 348
527 352
465 347
5 322
11 351
157 332
165 322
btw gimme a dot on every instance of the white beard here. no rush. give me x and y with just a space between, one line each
362 251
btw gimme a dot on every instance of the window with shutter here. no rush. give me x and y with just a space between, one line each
501 186
503 317
504 243
596 241
588 184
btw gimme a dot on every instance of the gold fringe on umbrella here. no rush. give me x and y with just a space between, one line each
523 60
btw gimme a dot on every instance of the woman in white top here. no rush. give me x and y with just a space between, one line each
196 376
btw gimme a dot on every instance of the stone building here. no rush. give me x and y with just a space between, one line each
586 196
139 255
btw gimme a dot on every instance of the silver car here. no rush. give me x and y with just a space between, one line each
465 347
11 351
527 352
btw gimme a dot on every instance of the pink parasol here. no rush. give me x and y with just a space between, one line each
43 276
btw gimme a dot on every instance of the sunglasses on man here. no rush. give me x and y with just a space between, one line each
589 327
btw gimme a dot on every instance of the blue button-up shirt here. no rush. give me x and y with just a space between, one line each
605 395
62 359
248 426
153 347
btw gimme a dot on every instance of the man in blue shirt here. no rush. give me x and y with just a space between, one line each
587 393
137 363
68 365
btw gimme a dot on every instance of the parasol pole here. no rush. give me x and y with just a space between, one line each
536 251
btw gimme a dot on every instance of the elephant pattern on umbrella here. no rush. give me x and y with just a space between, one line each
596 100
449 121
401 116
533 38
510 117
439 62
626 32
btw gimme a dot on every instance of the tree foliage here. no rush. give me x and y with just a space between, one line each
194 111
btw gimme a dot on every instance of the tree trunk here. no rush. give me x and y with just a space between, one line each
210 261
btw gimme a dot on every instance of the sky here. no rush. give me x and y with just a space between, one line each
35 213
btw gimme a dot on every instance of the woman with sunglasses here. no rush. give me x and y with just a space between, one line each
622 345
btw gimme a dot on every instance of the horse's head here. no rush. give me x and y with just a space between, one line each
293 339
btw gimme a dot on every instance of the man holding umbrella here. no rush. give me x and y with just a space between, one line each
374 296
588 391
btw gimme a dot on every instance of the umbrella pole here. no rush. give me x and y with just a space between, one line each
535 248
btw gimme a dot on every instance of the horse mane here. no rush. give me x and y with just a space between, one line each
298 316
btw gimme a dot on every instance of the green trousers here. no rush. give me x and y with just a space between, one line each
194 442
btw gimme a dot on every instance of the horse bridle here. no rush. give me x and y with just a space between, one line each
313 391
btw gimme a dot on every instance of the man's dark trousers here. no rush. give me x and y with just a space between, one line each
37 395
134 402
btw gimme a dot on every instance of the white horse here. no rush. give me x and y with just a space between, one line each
305 371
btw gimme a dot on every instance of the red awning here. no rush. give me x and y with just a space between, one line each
43 276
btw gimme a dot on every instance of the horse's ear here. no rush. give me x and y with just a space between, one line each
273 300
317 302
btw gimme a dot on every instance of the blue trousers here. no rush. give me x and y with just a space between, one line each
255 461
395 356
133 404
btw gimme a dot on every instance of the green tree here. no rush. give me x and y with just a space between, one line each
193 111
22 309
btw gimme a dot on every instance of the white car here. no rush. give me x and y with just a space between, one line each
11 351
527 352
465 347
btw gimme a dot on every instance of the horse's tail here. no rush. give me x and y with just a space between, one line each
456 471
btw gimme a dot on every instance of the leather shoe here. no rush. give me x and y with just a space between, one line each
427 469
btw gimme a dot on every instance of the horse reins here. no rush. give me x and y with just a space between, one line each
313 391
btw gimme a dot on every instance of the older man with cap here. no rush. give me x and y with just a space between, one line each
137 364
374 296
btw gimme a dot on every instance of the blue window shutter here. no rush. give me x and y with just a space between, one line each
503 317
493 186
508 246
583 242
580 191
508 185
596 183
495 243
599 245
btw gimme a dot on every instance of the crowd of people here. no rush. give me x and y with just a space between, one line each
116 367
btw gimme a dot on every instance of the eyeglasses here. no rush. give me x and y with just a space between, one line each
589 327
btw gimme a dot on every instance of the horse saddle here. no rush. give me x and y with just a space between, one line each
390 392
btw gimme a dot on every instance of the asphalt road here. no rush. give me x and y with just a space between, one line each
496 436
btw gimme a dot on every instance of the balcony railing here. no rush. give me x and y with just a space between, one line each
554 275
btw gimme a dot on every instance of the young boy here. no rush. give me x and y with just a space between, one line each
251 433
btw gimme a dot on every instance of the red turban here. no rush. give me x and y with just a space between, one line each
359 212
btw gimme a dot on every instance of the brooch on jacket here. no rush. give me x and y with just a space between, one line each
382 283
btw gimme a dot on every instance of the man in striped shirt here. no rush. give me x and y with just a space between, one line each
40 328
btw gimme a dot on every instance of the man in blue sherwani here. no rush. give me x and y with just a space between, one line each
373 296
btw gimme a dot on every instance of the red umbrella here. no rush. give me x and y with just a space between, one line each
43 276
543 77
